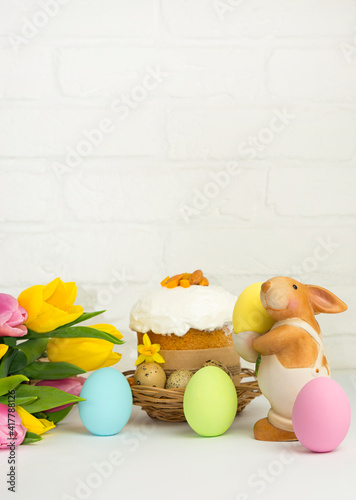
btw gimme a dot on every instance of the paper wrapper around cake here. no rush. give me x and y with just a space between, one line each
192 350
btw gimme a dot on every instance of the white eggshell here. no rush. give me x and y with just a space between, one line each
242 342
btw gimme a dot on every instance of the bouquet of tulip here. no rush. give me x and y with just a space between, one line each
42 354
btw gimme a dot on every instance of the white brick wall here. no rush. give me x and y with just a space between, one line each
314 74
229 145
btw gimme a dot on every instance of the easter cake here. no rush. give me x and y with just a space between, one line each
190 320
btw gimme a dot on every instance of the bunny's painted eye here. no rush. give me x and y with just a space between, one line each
295 287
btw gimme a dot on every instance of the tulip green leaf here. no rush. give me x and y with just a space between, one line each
19 401
43 370
40 414
7 384
75 332
10 341
6 362
48 397
31 437
57 416
19 360
84 317
26 353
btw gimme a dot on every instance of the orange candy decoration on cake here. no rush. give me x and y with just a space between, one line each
185 280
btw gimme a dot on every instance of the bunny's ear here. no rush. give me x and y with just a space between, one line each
324 301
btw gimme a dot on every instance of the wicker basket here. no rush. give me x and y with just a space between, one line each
167 404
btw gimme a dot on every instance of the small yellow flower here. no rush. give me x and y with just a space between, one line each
87 353
148 352
3 350
50 306
33 424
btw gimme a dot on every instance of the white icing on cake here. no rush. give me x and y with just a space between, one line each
176 310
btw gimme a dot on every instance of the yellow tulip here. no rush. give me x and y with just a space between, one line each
3 350
33 424
87 353
50 306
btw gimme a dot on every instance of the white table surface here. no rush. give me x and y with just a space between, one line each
169 461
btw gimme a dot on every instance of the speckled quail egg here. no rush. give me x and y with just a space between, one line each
213 362
150 374
179 379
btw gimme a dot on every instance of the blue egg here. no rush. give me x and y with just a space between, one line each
108 402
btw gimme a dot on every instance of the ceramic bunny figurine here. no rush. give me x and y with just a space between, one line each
292 351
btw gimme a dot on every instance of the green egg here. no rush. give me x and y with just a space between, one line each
210 402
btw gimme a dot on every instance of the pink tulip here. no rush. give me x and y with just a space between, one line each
72 385
12 315
11 434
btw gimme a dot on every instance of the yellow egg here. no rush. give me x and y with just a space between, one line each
249 313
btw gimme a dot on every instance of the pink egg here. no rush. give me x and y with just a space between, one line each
321 415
